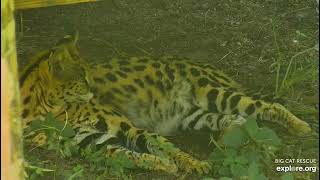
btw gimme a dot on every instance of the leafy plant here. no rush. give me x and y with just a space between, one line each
116 165
31 172
77 172
58 134
245 152
64 141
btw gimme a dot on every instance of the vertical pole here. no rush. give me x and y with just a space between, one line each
11 131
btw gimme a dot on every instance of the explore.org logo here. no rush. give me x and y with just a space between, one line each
296 165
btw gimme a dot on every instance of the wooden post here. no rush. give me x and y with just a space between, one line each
11 131
28 4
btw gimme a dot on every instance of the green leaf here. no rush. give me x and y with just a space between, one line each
238 170
262 177
38 171
52 122
231 152
251 127
224 171
36 124
229 160
254 172
68 132
50 117
251 155
234 138
217 155
316 47
78 172
120 161
225 178
241 160
287 176
66 152
266 135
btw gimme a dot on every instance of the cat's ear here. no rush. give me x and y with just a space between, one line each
75 37
69 40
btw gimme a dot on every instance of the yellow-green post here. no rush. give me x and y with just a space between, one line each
11 131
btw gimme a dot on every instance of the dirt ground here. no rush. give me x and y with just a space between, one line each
245 38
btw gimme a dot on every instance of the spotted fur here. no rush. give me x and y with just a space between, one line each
137 101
